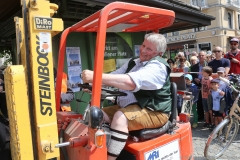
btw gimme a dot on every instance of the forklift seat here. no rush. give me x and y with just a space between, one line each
145 134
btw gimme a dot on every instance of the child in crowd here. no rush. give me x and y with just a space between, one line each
206 79
224 87
191 87
216 102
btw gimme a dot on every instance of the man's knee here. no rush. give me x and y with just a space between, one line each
119 119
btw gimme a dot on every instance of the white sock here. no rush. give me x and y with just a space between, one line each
117 142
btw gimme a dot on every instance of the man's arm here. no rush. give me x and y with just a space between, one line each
227 66
150 77
121 81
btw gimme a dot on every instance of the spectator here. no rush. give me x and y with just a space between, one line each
216 102
234 56
206 79
208 58
181 55
219 62
213 56
225 88
197 80
171 63
176 58
193 60
183 65
194 53
194 90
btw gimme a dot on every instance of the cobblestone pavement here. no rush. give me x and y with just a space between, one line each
200 136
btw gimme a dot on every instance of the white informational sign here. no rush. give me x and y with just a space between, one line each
45 41
169 151
74 67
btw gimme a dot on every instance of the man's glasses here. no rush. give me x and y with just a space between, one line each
169 62
234 44
217 51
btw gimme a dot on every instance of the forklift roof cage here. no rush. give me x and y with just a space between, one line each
143 18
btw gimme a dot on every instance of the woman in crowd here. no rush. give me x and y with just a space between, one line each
182 64
181 55
193 60
171 63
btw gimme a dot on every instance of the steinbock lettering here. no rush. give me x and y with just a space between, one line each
43 80
43 23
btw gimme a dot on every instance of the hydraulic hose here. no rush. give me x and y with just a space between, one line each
63 149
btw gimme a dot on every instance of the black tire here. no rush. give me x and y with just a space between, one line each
217 143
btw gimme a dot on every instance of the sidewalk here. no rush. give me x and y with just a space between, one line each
200 137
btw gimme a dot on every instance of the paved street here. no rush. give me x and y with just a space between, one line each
200 137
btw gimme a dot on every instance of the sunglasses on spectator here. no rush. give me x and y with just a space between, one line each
187 79
169 62
217 51
234 44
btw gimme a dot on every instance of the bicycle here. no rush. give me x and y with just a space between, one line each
188 103
227 130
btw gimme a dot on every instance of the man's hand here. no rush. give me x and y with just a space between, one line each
87 76
197 80
222 93
234 60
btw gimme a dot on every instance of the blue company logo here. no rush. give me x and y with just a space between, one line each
153 155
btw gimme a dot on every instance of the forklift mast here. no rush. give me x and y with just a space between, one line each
30 84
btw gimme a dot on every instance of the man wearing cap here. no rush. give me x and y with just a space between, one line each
234 56
219 62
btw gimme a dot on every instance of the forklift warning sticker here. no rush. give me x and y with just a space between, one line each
43 23
45 41
169 151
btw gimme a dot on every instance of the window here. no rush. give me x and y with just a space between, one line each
199 3
175 33
229 20
165 35
198 29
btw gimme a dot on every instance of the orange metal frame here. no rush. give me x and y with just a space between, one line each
145 19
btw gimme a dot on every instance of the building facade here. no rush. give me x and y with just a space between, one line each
222 29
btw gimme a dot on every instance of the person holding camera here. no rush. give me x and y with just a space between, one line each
234 56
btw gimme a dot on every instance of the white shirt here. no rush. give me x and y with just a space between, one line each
146 76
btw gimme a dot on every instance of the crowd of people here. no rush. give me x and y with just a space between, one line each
202 73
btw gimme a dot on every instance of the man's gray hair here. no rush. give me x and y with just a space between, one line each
194 52
204 52
158 40
181 54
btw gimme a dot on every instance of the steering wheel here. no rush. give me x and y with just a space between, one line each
111 92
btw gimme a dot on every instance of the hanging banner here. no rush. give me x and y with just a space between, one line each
118 50
74 67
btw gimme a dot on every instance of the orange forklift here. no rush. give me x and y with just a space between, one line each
39 128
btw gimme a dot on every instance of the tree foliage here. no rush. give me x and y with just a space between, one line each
7 53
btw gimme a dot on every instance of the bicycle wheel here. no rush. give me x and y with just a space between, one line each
187 107
217 142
